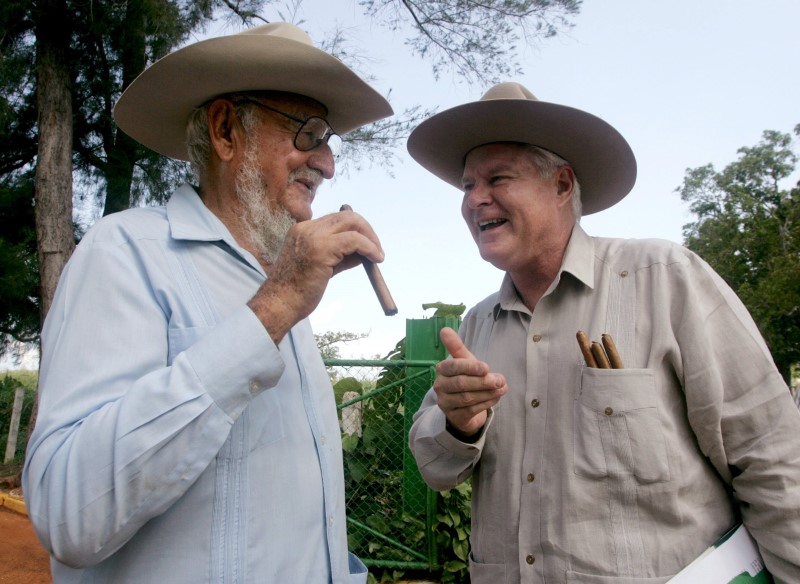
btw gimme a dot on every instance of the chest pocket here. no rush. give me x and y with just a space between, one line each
618 428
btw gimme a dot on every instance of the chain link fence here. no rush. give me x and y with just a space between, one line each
390 510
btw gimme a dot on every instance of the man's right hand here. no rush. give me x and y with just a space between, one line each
312 253
465 387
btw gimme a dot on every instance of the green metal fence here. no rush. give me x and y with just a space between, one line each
391 513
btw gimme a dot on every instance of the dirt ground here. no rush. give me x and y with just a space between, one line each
22 558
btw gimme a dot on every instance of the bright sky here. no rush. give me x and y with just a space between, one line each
686 82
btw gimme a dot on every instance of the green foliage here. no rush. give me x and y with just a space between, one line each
28 379
19 272
445 309
748 230
9 383
452 532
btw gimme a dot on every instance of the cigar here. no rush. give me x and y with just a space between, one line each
586 348
377 281
612 352
600 355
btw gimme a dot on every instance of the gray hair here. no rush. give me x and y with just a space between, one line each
547 163
198 139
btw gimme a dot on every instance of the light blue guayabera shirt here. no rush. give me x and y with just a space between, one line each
175 442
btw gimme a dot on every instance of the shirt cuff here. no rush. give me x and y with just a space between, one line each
450 442
237 361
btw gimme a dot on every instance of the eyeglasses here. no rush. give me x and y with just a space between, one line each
312 132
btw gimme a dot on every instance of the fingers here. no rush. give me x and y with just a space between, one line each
362 237
328 245
465 387
312 253
454 345
463 362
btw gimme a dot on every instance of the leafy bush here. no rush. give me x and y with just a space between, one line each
452 532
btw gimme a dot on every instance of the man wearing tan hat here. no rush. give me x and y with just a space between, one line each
619 453
187 429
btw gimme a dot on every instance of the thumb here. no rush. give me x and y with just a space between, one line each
454 345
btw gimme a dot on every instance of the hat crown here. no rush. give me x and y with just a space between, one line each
509 90
280 29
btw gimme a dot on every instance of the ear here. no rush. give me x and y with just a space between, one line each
225 131
565 182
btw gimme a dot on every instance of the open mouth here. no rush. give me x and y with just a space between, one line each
491 224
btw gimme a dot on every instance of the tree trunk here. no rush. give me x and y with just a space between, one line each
53 199
123 154
119 174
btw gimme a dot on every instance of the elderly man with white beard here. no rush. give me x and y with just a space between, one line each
187 429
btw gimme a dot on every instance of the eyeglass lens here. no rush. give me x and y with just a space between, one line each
314 132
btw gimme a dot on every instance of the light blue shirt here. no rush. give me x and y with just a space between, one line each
175 442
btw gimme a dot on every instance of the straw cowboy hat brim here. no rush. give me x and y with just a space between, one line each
601 158
155 107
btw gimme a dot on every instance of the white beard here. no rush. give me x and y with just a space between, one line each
266 227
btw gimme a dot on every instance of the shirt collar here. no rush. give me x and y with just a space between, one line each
190 220
578 261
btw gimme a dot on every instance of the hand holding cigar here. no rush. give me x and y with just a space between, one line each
597 355
377 281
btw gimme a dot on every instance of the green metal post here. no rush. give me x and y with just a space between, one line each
422 344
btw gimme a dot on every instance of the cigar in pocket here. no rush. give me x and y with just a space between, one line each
612 352
600 356
377 281
586 348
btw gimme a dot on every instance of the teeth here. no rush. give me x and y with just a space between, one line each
485 224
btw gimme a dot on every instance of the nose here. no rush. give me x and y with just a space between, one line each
321 159
476 197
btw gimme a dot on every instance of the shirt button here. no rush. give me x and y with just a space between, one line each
535 403
530 477
537 338
609 411
255 386
624 273
530 559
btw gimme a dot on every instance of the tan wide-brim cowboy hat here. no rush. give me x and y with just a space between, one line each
601 158
154 108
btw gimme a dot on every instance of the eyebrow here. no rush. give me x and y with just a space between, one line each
498 167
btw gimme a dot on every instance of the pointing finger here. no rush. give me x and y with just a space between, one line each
454 345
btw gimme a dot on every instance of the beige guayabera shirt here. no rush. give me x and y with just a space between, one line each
589 476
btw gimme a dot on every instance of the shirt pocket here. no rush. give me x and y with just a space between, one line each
618 429
578 578
482 573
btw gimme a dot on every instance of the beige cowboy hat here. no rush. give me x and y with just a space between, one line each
603 161
279 56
